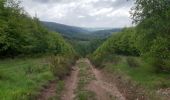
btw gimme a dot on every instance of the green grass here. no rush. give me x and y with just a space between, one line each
85 95
21 79
144 74
85 76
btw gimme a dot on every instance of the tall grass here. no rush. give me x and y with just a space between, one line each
21 79
60 66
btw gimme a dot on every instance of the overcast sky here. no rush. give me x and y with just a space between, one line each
84 13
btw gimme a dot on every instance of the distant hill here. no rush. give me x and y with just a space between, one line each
80 33
104 33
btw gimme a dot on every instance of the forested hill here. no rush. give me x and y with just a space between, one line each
21 34
80 33
140 54
149 39
65 30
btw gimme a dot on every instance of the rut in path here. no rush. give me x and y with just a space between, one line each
70 85
103 89
48 92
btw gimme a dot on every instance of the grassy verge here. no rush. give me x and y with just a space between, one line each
22 78
140 73
143 73
85 76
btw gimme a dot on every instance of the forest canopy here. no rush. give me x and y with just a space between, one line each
149 38
22 34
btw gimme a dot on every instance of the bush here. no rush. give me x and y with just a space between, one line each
101 61
115 59
132 62
160 65
3 76
60 66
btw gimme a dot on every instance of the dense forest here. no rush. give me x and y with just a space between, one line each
22 34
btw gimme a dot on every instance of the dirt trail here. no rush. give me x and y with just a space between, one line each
70 85
103 89
48 91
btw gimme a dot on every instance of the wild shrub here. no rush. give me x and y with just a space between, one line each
2 75
115 59
132 62
160 65
98 63
60 66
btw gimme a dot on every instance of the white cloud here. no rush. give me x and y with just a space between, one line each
86 13
119 12
101 11
80 16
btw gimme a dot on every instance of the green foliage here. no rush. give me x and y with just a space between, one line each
149 39
21 34
60 66
84 48
145 9
122 43
94 44
153 30
132 62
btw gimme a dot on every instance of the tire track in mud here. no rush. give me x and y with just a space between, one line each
70 85
103 89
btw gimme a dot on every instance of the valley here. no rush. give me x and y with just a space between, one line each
86 57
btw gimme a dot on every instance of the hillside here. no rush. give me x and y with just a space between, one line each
51 61
80 33
28 52
104 33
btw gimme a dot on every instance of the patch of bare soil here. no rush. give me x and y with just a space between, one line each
164 92
129 89
70 85
103 89
48 92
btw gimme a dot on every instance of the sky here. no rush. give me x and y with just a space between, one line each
82 13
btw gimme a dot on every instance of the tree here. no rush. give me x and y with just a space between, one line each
22 34
152 18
